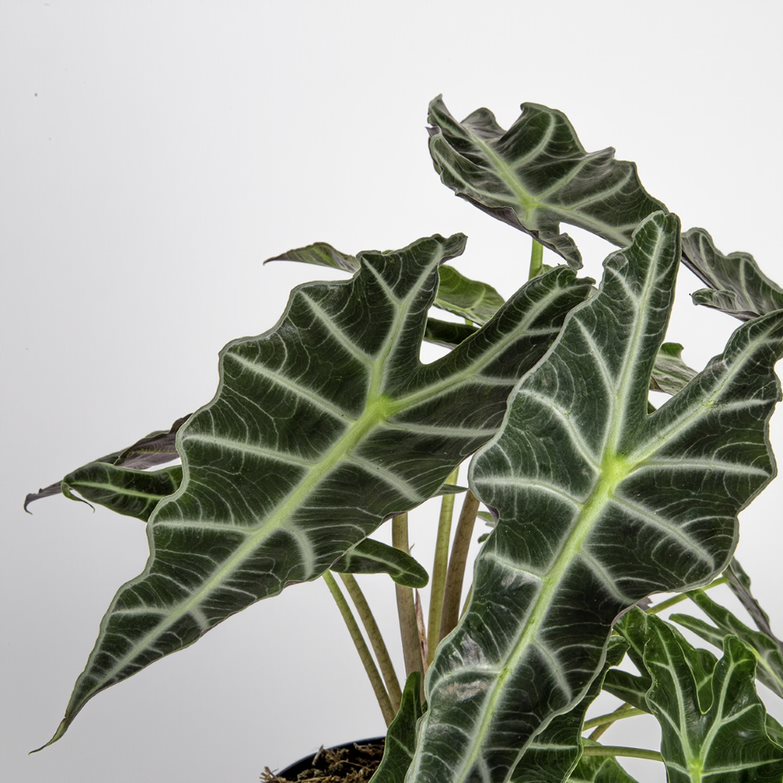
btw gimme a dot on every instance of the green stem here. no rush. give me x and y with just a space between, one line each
678 599
457 563
376 639
406 609
618 750
603 723
361 647
536 260
439 568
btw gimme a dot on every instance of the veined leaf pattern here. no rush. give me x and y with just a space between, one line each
593 769
737 285
127 491
320 429
714 730
670 373
554 753
457 294
739 584
537 174
600 504
136 493
766 648
152 450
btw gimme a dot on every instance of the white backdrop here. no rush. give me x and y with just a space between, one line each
151 154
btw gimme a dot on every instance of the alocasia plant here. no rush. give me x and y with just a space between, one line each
329 423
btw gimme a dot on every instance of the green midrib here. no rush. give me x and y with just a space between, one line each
614 473
531 203
377 411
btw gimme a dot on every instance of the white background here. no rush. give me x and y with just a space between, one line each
152 153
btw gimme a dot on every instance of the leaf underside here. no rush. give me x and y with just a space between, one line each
736 284
600 504
152 450
329 406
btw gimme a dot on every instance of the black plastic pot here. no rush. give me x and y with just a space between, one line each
307 762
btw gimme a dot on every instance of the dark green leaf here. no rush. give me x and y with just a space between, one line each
401 737
373 557
536 174
736 284
127 491
457 294
596 509
716 732
739 583
555 751
670 373
152 450
320 429
593 769
767 649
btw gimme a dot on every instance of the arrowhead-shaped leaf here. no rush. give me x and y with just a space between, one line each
320 429
537 174
736 284
596 509
713 723
401 736
457 294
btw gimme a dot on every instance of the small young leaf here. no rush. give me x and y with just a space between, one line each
536 174
713 723
374 557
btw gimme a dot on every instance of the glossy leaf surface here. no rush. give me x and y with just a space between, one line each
320 429
537 174
596 508
152 450
555 751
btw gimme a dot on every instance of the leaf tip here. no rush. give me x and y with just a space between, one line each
61 729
